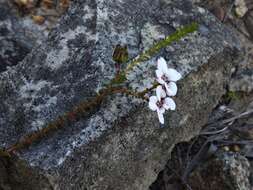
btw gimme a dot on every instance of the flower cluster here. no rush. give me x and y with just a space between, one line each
167 87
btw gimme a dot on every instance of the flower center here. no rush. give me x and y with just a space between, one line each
160 103
165 78
164 88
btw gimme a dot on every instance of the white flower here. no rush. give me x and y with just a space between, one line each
159 103
160 92
167 77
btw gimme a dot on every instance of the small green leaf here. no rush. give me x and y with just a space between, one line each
120 54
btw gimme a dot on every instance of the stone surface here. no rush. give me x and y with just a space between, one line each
18 35
242 81
249 4
240 8
14 174
249 22
121 145
227 171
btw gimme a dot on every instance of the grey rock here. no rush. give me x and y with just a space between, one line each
14 174
248 20
240 8
243 77
249 4
121 144
227 171
18 35
242 81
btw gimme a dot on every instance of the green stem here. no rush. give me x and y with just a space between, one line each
146 55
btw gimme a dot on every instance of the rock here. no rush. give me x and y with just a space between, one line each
248 20
240 8
249 4
242 81
14 174
227 171
243 77
120 145
251 173
17 36
219 12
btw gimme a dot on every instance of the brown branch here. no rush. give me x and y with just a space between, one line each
74 115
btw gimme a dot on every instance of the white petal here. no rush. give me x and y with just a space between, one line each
169 104
161 110
161 64
152 103
159 73
173 75
168 90
171 89
160 93
160 81
160 117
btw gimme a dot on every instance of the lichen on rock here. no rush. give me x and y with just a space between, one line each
119 145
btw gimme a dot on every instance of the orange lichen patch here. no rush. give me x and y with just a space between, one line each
42 10
24 6
38 19
24 2
49 4
64 4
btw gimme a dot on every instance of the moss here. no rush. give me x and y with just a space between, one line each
231 95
